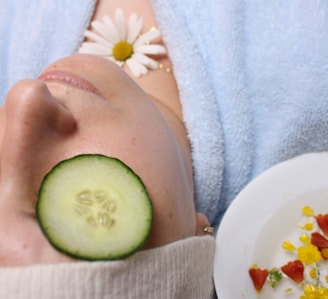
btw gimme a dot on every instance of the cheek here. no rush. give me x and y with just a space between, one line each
2 122
22 243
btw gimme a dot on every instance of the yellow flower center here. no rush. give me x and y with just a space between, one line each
308 211
309 254
313 292
313 273
122 51
324 253
308 226
305 239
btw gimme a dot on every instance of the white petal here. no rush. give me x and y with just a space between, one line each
134 28
120 23
99 28
147 37
106 29
111 28
136 68
100 40
93 48
143 59
150 49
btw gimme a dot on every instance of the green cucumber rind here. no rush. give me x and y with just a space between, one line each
85 256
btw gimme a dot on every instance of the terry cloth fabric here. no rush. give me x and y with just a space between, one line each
252 76
36 33
179 270
260 69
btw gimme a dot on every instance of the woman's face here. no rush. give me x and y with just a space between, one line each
86 104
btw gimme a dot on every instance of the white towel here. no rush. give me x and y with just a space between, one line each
260 69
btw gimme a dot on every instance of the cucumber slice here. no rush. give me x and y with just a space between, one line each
94 207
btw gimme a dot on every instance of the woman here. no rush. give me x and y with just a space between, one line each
87 104
251 76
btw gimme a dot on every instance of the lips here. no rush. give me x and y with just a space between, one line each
70 79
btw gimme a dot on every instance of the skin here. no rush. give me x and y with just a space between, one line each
46 120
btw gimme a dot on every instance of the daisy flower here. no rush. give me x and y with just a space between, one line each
311 274
123 44
308 222
324 278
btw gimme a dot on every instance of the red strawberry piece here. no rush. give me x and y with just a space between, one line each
294 270
258 277
322 221
321 243
319 240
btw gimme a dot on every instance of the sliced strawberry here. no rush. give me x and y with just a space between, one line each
322 221
258 277
319 240
294 270
321 243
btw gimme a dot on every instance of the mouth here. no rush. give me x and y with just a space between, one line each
70 79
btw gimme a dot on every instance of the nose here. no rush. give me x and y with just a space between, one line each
35 122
